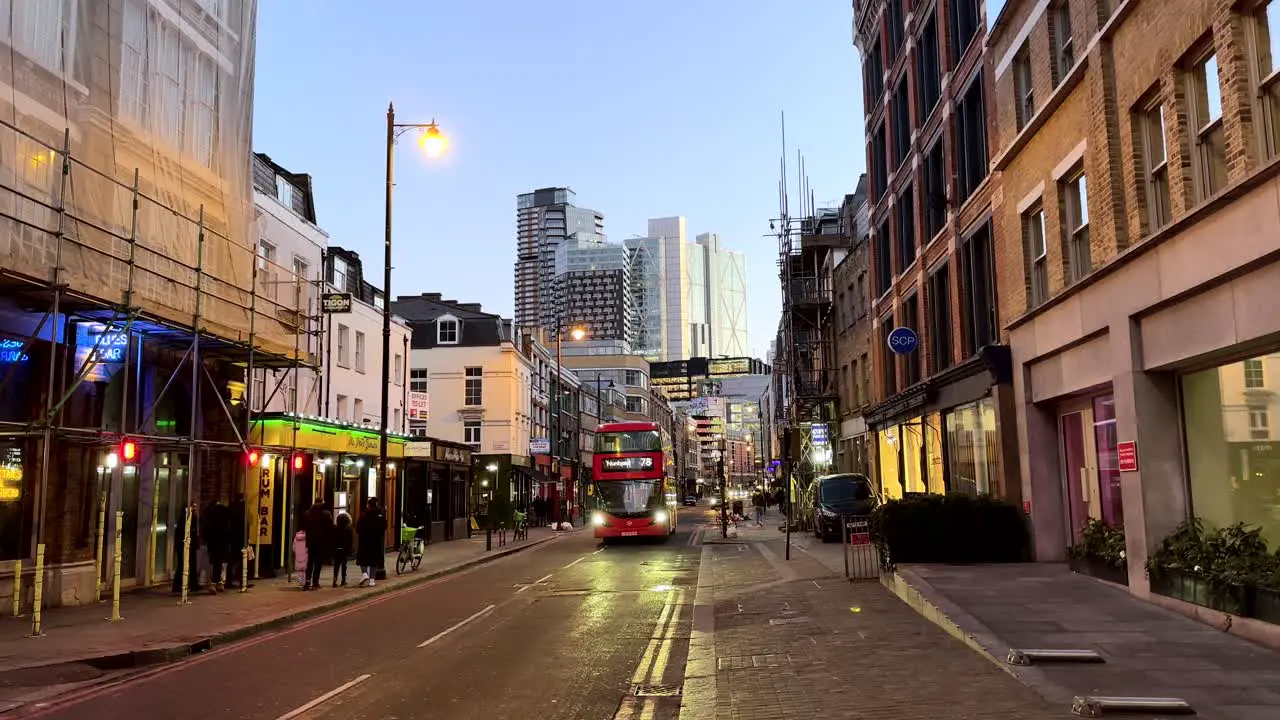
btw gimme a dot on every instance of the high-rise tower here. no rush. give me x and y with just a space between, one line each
544 219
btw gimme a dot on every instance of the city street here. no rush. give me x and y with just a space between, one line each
569 627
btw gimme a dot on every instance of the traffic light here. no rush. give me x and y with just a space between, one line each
129 450
253 457
297 462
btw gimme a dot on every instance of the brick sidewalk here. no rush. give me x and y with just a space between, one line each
774 639
156 629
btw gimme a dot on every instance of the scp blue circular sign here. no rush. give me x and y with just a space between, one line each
903 340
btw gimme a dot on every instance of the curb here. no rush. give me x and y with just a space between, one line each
172 653
920 596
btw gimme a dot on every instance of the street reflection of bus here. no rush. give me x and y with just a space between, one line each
634 494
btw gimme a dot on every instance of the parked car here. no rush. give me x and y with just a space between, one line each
840 496
690 500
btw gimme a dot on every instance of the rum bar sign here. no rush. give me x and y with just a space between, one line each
335 303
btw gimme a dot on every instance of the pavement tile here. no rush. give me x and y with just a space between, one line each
154 623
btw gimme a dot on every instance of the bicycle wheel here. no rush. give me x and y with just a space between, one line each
402 560
417 560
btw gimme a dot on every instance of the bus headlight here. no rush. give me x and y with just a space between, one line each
660 516
597 519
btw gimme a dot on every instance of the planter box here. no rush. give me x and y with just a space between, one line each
1233 599
1266 605
1101 569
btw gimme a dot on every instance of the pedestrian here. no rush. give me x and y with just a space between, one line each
757 500
370 530
179 537
299 556
214 528
318 524
237 534
344 538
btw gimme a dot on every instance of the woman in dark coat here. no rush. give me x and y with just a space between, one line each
371 528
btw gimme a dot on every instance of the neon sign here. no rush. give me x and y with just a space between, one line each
112 347
11 351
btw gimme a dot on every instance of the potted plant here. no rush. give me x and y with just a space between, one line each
1266 600
1220 569
1175 566
1100 553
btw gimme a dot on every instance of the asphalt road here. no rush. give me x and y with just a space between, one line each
567 628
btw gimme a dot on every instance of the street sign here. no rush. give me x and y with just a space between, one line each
333 303
818 433
539 446
903 340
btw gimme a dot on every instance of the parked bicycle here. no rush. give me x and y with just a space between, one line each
413 543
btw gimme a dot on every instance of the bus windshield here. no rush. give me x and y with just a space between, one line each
629 496
629 442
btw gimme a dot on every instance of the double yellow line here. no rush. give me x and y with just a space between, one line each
656 657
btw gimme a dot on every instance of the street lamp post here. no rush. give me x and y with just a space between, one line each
577 334
433 143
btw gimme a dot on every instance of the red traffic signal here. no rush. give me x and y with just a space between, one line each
297 462
129 450
253 457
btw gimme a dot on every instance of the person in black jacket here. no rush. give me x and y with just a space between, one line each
370 529
214 530
318 524
344 539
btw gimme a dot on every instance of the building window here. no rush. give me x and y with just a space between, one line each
39 27
344 346
635 404
933 200
167 85
471 433
973 449
906 213
473 395
340 274
398 370
1204 95
447 331
284 191
1074 192
341 407
1253 375
1259 428
879 163
888 368
357 411
418 380
873 73
929 69
939 299
398 420
884 259
300 268
1155 165
894 19
1266 52
911 319
1064 56
901 111
966 15
1035 250
1023 87
971 131
1233 467
633 378
978 301
359 351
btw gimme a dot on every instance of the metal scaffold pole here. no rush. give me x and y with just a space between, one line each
250 520
193 461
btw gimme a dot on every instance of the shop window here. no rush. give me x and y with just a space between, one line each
1204 99
972 448
14 527
1266 58
890 481
1233 463
474 393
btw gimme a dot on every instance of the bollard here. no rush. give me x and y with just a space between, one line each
97 556
115 574
244 569
488 538
36 629
844 539
17 588
186 556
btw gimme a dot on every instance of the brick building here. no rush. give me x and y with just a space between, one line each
851 324
936 412
1139 280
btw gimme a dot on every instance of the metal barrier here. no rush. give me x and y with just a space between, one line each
861 558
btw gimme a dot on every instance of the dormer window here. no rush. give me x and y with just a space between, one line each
448 330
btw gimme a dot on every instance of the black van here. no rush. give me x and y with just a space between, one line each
837 496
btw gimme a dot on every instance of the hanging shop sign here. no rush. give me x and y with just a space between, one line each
258 502
333 303
539 446
444 453
903 340
419 405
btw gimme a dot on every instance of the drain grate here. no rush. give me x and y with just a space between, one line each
657 690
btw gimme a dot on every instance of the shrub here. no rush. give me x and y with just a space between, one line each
1102 542
953 528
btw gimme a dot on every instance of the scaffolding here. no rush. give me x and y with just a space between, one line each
805 353
126 215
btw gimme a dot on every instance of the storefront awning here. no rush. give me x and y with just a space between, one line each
304 434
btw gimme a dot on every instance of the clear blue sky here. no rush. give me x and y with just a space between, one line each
667 107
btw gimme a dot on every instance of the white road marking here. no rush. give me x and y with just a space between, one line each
324 698
442 633
598 551
535 582
575 562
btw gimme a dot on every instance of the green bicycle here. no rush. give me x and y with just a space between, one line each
413 543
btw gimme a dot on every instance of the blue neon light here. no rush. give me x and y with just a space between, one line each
11 352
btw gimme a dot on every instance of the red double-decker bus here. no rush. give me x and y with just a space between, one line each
633 491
